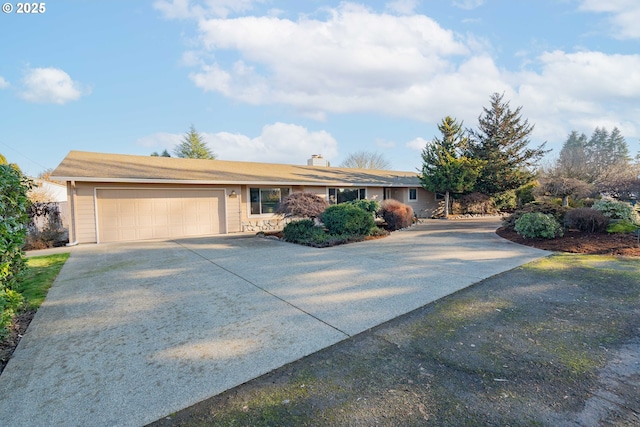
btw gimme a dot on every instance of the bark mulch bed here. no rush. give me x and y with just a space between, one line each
581 243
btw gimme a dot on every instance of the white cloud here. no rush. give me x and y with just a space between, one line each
402 7
50 86
3 83
624 15
417 144
277 143
580 91
467 4
351 59
329 66
183 9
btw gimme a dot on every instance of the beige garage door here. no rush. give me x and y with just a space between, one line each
135 214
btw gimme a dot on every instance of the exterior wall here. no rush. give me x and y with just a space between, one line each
82 205
85 213
426 204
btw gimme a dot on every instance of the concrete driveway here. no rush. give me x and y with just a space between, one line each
130 333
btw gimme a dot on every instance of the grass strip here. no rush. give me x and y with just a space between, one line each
43 270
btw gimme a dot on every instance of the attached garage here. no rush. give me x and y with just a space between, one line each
127 214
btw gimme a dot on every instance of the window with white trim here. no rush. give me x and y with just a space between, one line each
413 194
341 195
266 200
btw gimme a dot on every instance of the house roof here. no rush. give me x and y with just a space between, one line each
102 167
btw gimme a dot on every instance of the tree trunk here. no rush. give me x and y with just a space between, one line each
446 204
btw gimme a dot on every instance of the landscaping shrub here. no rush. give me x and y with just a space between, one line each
615 209
586 219
378 232
622 227
558 212
14 205
346 219
537 225
297 231
507 201
371 206
396 215
525 194
304 205
476 204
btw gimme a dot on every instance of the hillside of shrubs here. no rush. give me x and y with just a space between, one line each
315 223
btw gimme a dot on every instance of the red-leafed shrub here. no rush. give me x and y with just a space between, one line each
304 205
396 215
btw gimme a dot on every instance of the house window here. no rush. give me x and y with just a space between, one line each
439 196
266 200
413 194
341 195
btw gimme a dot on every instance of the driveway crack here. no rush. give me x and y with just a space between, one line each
262 289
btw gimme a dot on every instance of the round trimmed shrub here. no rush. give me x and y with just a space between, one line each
396 215
615 209
586 219
538 225
346 219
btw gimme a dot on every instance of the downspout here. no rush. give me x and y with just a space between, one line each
72 210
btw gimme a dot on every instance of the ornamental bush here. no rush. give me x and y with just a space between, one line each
538 225
558 213
304 205
14 206
476 204
396 215
346 219
615 209
622 227
298 231
586 219
371 206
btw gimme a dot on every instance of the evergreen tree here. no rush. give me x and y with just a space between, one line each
193 146
164 153
445 169
572 162
604 151
501 142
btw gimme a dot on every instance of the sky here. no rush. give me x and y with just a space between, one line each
277 81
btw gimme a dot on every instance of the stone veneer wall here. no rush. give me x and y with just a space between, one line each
256 225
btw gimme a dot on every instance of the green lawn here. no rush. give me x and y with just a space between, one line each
43 270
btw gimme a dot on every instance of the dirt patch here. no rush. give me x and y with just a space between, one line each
553 342
581 243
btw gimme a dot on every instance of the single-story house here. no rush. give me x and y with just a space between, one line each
114 197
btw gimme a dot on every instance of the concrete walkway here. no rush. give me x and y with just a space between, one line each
130 333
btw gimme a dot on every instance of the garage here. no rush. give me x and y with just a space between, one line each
127 214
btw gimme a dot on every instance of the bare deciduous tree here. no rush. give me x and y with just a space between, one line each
366 160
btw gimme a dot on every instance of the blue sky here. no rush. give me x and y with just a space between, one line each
277 81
